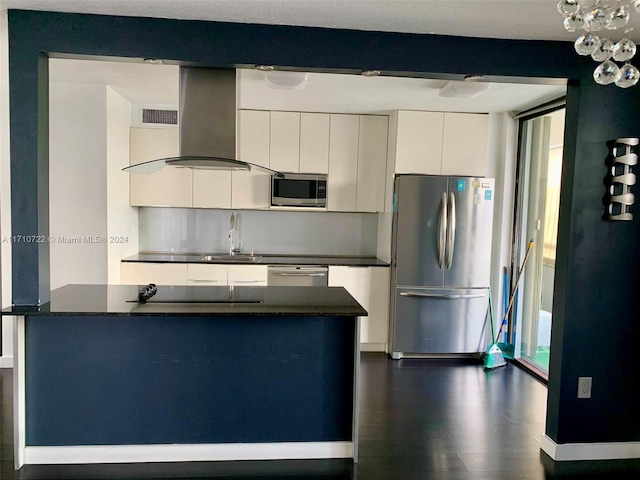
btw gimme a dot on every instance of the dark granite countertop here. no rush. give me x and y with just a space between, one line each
265 259
196 300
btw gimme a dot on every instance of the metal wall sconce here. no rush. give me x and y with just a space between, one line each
620 178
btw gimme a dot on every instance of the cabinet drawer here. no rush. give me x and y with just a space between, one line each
133 273
206 274
248 275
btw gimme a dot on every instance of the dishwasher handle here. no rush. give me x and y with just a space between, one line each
298 275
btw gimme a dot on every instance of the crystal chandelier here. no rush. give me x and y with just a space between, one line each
593 16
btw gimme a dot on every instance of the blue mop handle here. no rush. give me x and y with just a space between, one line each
505 292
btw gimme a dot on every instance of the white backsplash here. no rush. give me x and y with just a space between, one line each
282 232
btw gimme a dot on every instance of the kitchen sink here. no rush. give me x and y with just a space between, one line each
238 257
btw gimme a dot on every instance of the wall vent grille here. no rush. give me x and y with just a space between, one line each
156 116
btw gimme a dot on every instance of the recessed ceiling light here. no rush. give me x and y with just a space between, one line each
283 79
463 89
265 68
370 73
154 61
473 78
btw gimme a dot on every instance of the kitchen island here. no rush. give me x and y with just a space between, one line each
191 374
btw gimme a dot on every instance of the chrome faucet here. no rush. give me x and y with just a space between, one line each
232 231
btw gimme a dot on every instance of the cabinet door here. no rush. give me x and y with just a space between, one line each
343 163
465 144
171 186
284 147
314 142
370 287
253 136
247 275
419 142
372 163
211 189
139 273
252 189
206 274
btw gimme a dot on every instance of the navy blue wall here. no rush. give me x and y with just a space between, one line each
596 299
135 380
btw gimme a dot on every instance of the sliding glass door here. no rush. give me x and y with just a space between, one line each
541 146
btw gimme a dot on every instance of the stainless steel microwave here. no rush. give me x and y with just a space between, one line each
299 190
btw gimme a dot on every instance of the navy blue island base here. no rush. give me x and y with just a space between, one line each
201 381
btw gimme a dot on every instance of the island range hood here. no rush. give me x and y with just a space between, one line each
207 124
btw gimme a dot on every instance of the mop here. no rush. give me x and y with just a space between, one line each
493 357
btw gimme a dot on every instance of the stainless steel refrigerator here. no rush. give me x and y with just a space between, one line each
441 256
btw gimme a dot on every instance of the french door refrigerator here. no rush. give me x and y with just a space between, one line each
441 255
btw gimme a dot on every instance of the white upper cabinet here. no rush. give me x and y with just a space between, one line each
299 142
437 143
418 146
211 189
343 162
254 136
314 142
284 153
465 144
350 149
171 186
251 189
372 163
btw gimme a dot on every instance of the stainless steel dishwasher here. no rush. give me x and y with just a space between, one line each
298 275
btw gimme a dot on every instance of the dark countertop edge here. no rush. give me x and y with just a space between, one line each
32 313
116 300
267 259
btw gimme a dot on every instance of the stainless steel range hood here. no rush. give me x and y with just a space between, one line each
207 124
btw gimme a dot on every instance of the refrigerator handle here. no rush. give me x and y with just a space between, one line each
442 230
451 231
435 295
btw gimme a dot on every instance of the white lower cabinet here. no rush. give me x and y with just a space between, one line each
139 273
247 275
205 274
370 287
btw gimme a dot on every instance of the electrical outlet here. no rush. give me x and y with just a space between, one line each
584 387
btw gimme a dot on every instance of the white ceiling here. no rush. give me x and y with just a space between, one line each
522 19
158 84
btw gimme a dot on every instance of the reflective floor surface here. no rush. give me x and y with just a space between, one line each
419 419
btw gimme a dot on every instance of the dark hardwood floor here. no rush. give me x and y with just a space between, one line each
419 419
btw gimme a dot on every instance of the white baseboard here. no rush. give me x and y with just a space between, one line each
6 362
567 452
186 453
373 347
